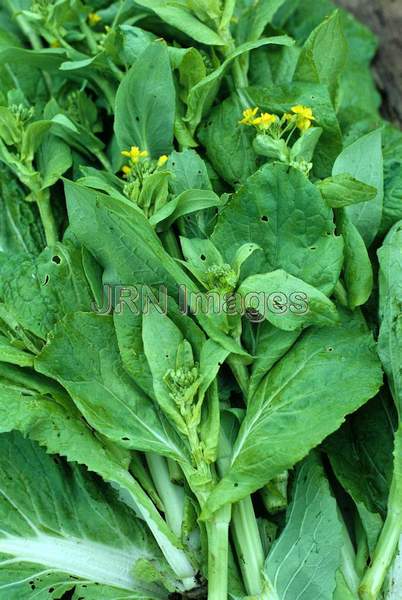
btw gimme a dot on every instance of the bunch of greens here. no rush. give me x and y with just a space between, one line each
200 291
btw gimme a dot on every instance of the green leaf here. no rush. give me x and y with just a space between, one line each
48 59
54 159
324 54
229 145
361 457
264 212
188 172
145 103
202 95
343 190
254 19
299 404
178 15
60 523
271 344
20 227
14 355
358 272
93 377
363 161
186 203
304 560
32 138
286 301
38 291
392 151
390 284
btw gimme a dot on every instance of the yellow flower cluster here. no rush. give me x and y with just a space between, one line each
262 121
94 18
302 115
136 156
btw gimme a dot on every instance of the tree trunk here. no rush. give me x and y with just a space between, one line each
384 17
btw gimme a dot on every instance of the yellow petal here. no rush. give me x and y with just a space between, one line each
162 160
94 18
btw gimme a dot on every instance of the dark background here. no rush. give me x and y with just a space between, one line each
384 17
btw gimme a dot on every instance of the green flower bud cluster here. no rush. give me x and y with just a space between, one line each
181 383
221 278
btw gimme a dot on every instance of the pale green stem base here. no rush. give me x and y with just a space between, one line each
387 545
49 225
218 554
247 541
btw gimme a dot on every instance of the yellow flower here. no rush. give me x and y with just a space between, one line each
265 121
54 44
162 160
94 18
304 116
135 154
249 116
126 170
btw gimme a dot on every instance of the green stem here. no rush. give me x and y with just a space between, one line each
362 549
169 241
103 159
218 552
172 495
240 373
167 541
89 36
247 541
387 544
42 199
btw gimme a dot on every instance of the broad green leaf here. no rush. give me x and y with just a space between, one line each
363 161
54 159
161 340
361 458
343 190
60 525
145 103
20 227
392 151
357 81
281 211
229 145
32 138
48 59
304 560
281 98
189 172
95 378
300 403
254 19
186 203
286 301
177 14
13 354
38 291
270 345
358 272
202 95
324 54
120 238
59 427
390 284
